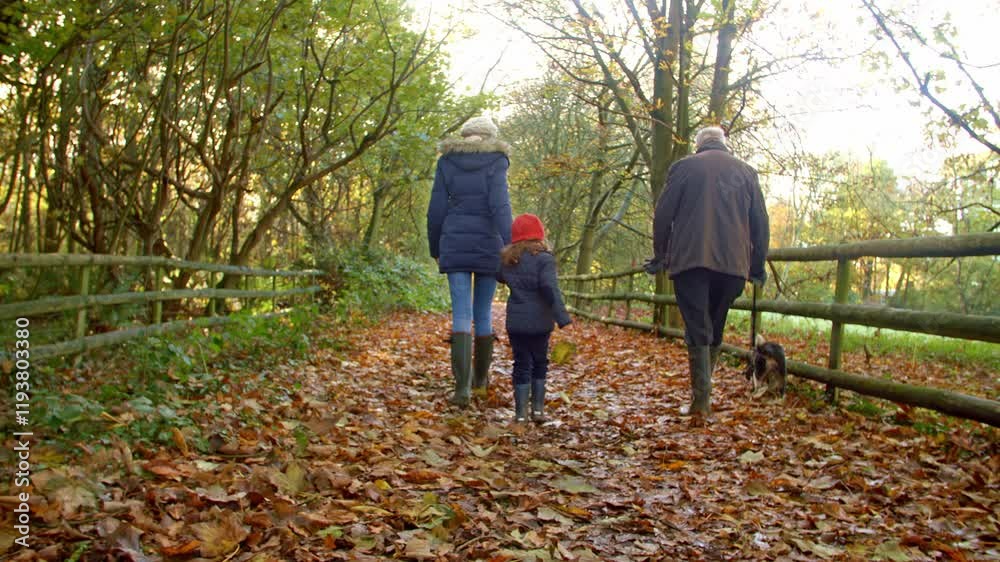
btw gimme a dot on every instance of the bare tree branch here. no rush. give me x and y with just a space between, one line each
923 82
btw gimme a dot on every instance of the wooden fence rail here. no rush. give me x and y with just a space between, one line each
972 327
55 260
948 324
155 267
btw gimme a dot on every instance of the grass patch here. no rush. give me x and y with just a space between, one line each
861 405
146 390
878 340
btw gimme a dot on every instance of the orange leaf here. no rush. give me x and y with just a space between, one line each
180 550
675 466
180 441
421 476
164 470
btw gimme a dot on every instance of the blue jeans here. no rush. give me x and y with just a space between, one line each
472 302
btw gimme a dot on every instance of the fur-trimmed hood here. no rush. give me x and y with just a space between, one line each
474 144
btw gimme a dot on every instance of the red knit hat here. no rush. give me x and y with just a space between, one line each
526 227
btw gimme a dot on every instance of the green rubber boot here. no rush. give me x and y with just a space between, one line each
713 353
538 400
482 359
700 364
461 367
521 395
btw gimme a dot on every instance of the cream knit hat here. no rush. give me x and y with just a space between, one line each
479 126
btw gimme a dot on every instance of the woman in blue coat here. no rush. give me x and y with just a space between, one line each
468 222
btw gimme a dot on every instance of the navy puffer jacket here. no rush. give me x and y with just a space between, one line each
535 304
469 217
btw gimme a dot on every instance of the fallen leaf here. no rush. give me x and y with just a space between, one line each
292 481
164 470
574 485
222 534
7 536
422 476
480 451
123 538
205 466
420 549
217 494
548 514
577 512
72 497
181 549
431 457
562 352
180 441
890 550
821 550
675 466
822 483
757 487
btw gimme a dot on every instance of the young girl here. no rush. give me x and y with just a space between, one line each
534 306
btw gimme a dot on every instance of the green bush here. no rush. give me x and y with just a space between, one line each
150 387
367 282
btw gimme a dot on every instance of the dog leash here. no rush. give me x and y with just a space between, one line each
753 322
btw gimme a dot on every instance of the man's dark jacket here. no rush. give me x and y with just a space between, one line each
711 214
534 304
469 217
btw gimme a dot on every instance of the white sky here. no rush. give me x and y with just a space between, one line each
843 107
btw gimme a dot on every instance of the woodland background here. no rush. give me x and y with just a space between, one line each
303 134
299 133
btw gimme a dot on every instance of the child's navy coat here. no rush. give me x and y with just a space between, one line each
535 304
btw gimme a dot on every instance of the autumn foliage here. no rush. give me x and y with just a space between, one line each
354 454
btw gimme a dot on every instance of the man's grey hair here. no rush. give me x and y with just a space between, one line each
709 134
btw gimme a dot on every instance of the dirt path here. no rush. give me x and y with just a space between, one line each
357 456
617 475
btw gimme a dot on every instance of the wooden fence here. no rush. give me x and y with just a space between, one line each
155 268
982 328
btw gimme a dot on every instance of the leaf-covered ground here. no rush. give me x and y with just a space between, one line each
354 454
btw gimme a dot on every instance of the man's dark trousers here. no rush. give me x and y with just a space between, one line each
704 297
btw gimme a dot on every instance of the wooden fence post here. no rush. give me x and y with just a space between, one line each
628 302
274 296
611 302
659 309
158 305
81 315
841 291
211 300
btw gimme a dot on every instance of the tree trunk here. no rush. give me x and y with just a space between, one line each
720 79
25 222
375 221
51 241
668 45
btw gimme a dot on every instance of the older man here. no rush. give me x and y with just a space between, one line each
710 232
